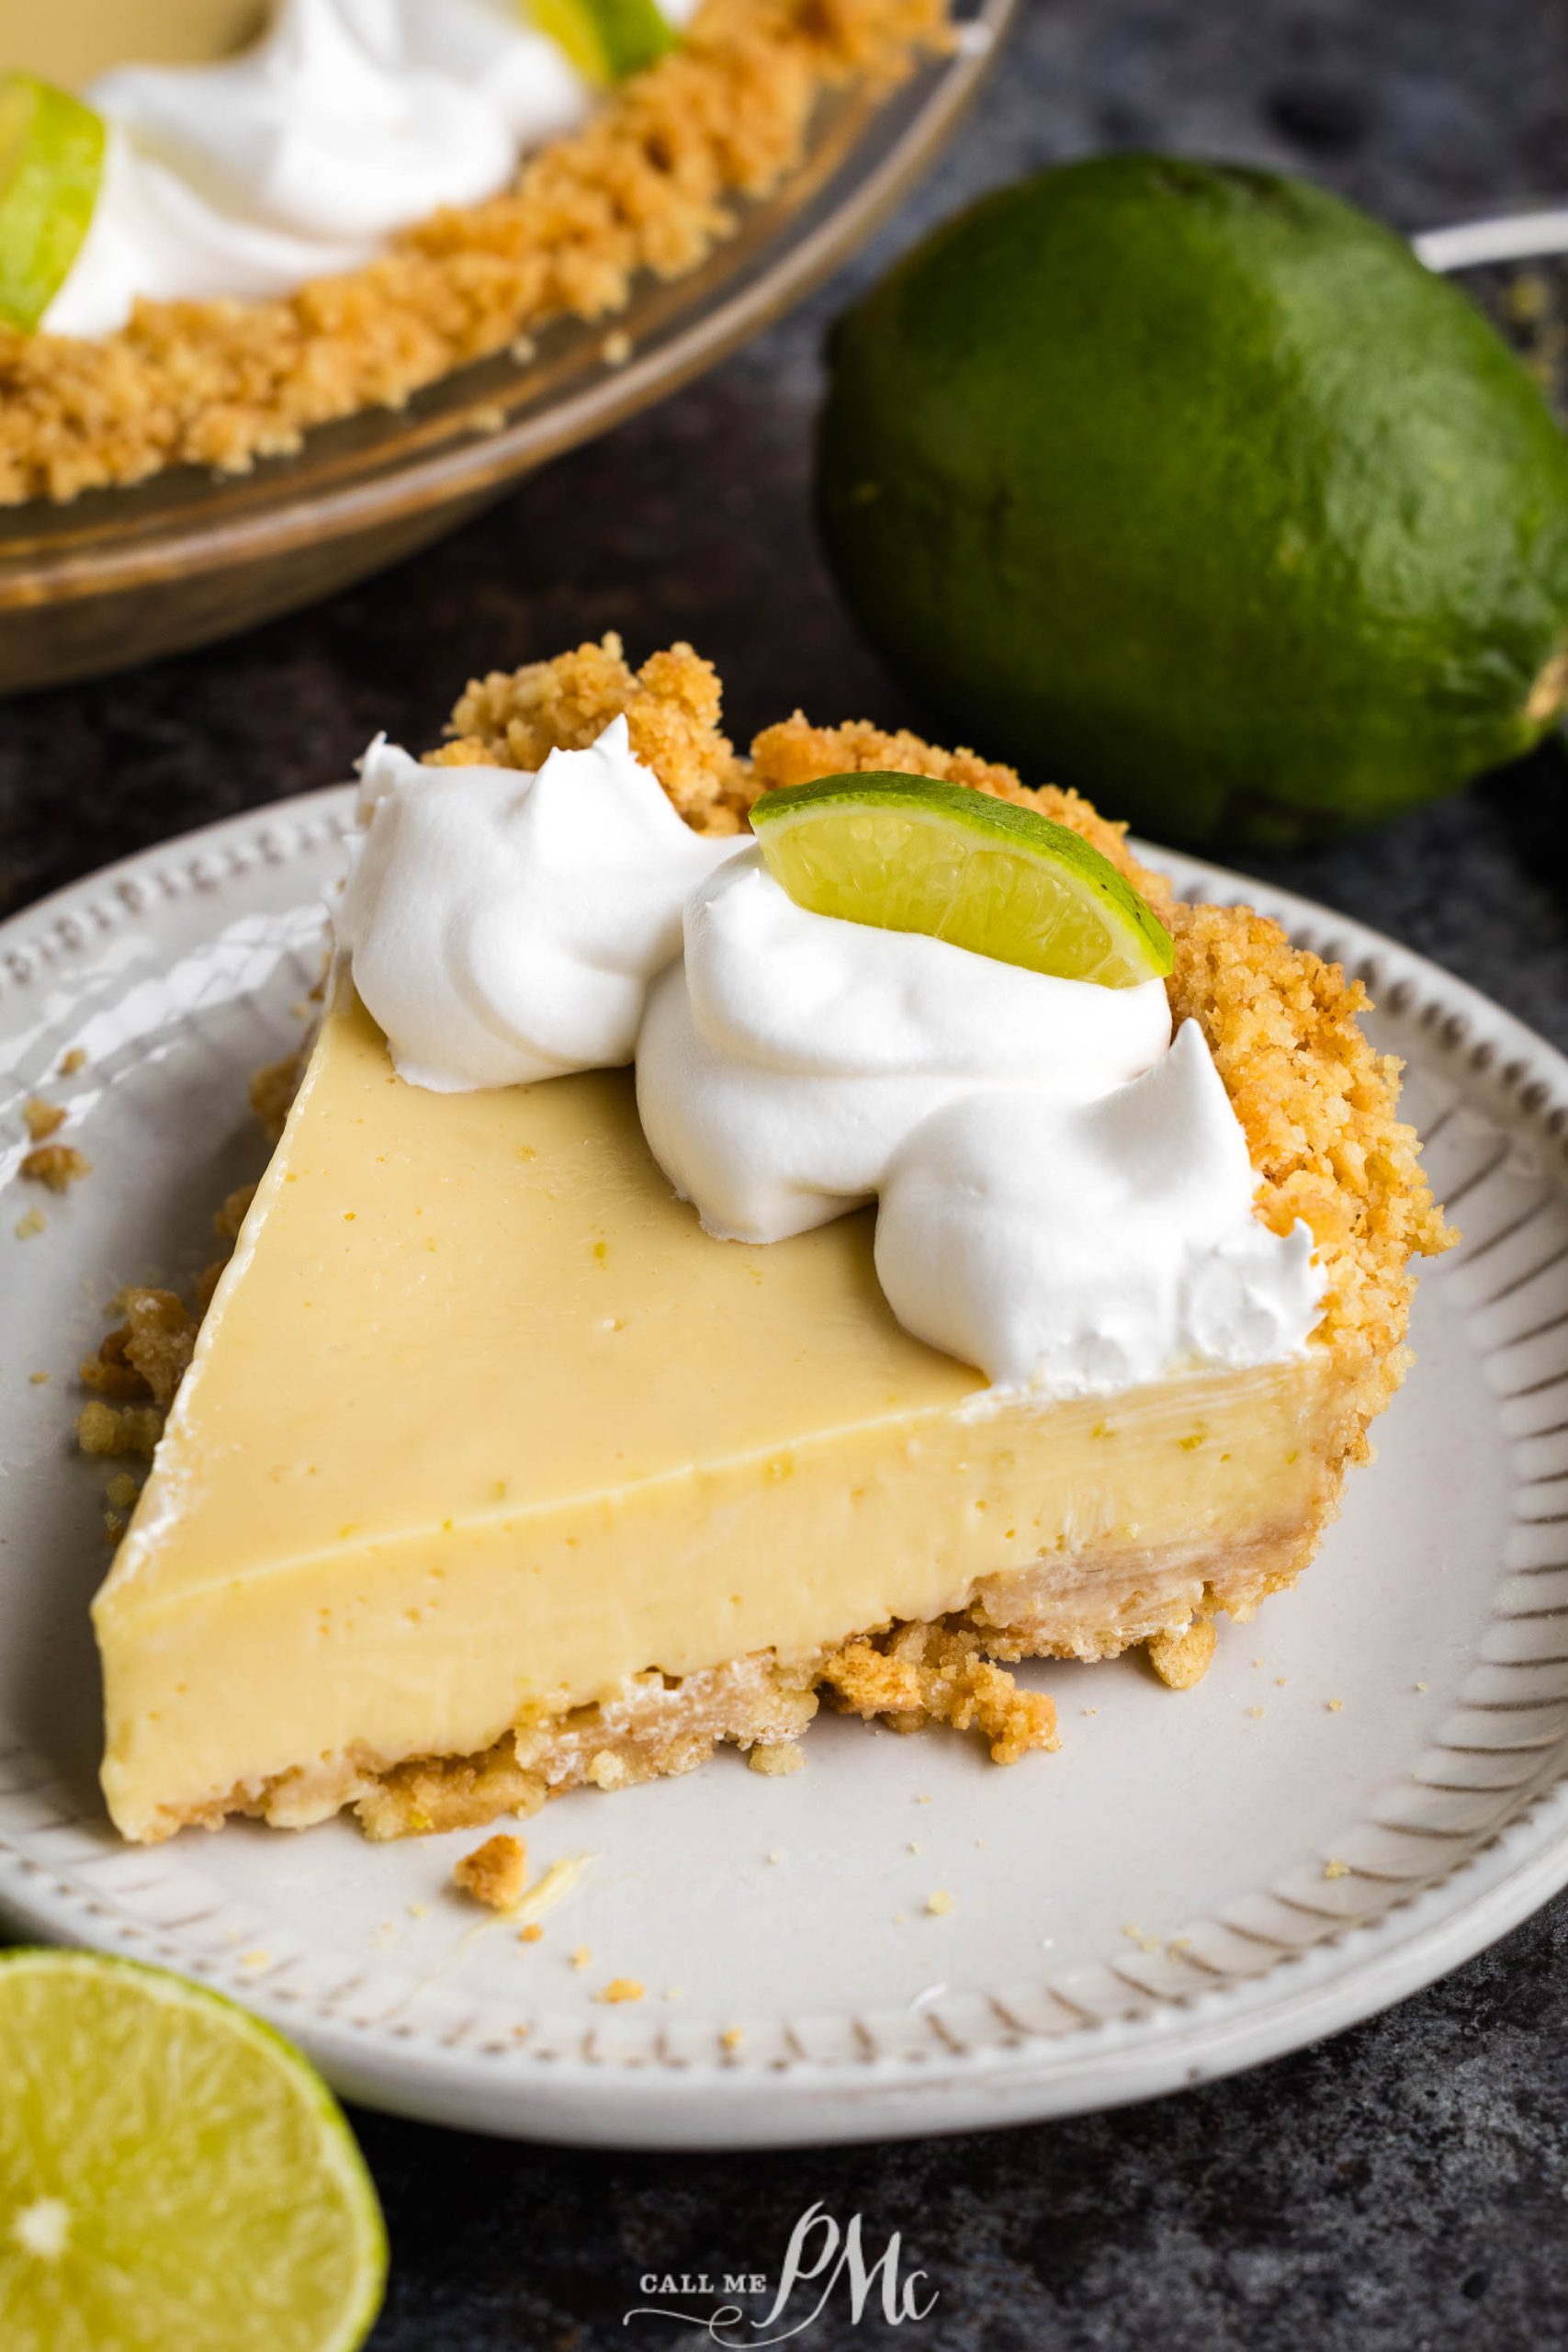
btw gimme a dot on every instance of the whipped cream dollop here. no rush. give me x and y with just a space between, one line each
1081 1248
1064 1196
788 1057
348 121
504 927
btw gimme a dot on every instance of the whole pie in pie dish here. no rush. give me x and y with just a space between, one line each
668 1307
199 261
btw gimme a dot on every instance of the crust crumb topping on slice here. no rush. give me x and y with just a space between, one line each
515 719
1182 1659
494 1874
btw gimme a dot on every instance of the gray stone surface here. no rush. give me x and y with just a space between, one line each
1405 2186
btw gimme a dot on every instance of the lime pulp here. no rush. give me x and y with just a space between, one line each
172 2173
904 852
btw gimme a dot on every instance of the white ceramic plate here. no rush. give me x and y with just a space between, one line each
1365 1790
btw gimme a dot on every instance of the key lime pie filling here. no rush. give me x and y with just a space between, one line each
669 1305
199 260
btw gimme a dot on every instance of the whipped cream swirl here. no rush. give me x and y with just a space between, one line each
788 1057
1081 1248
1064 1196
503 927
348 121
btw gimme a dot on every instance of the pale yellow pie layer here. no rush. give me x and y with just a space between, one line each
480 1425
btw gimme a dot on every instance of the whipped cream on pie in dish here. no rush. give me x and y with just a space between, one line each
1065 1194
348 121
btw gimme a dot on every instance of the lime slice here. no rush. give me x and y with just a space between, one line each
172 2174
906 853
605 39
52 160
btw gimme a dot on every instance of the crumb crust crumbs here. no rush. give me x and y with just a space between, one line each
494 1874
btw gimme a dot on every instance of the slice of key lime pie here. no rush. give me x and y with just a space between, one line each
712 1266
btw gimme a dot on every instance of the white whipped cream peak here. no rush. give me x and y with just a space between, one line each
503 927
1083 1248
788 1057
346 121
1066 1198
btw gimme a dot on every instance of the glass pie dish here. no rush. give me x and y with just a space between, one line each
123 576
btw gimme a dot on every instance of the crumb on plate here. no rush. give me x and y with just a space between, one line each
494 1874
57 1165
111 1429
41 1119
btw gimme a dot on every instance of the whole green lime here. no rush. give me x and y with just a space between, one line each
1189 486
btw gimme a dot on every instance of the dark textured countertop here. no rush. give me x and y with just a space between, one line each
1404 2186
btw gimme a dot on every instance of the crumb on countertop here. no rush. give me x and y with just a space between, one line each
494 1874
58 1165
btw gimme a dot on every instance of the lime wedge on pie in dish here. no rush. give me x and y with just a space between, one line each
52 161
605 39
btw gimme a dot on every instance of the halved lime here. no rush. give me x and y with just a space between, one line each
904 852
605 39
173 2177
52 161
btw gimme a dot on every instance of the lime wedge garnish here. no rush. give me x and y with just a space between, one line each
906 853
52 160
605 39
172 2173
